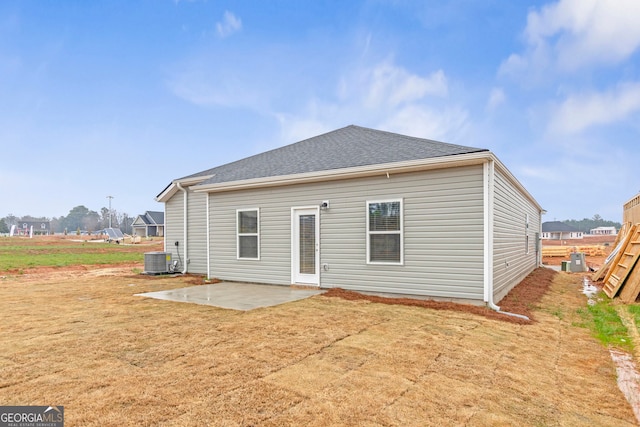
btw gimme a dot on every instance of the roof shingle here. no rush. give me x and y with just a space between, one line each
347 147
557 226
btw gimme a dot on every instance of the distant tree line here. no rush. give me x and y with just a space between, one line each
79 219
587 224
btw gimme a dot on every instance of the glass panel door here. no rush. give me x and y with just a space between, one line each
305 250
307 242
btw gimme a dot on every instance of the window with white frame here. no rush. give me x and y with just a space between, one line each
385 240
248 231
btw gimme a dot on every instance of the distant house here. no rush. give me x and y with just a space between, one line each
360 209
149 224
603 231
42 228
558 230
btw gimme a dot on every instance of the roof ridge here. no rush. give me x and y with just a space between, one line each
346 147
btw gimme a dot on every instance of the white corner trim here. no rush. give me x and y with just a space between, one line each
488 185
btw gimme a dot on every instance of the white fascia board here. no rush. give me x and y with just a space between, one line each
348 173
172 188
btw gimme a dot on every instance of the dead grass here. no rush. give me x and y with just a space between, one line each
82 340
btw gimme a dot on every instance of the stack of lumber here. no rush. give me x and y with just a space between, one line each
616 248
593 250
621 271
565 251
554 251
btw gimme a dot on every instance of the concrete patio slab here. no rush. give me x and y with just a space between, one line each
236 296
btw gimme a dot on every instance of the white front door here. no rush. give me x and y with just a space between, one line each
305 246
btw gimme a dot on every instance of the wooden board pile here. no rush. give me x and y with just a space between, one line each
565 251
620 274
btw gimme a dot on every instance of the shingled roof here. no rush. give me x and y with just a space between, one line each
558 226
155 217
347 147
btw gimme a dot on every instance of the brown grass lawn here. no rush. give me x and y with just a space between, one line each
79 338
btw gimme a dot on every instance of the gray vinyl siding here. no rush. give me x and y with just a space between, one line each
443 233
196 245
511 262
197 235
174 224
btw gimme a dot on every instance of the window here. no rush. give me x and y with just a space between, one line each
384 232
248 230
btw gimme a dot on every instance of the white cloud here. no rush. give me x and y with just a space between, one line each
297 129
384 96
574 196
391 85
203 81
496 98
379 95
579 112
422 121
572 34
229 25
549 174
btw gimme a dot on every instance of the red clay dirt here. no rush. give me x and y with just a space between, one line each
521 300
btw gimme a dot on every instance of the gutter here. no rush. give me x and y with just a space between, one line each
185 200
172 188
488 169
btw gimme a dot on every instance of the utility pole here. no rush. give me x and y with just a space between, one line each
109 197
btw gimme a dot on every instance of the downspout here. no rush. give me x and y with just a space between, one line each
184 217
489 182
489 195
208 240
539 242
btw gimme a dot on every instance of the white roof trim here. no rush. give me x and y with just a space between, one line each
172 188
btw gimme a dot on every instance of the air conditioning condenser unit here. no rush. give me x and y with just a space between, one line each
157 262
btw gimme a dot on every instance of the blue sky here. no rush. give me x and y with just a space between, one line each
118 98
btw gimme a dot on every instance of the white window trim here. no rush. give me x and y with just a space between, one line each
238 234
400 232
